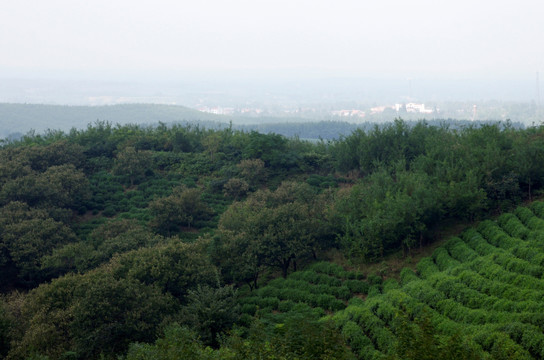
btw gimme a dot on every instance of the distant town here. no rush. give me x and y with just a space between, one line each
414 108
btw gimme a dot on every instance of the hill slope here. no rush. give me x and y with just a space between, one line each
487 283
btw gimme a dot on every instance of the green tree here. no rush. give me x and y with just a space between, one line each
385 212
235 188
59 186
298 337
110 313
132 163
107 240
252 170
5 329
181 209
173 267
277 228
26 235
211 311
177 343
212 143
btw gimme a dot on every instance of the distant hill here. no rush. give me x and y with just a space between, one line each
18 119
21 118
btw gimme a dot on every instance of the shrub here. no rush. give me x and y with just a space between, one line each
357 286
374 279
286 305
268 302
426 267
407 275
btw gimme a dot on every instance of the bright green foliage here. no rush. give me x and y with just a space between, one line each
474 300
312 288
417 340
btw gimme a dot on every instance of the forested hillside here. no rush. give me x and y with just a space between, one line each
186 242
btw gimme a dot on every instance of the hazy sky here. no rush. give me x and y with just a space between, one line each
378 38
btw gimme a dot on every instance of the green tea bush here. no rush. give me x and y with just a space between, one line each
407 275
297 295
459 250
424 292
321 289
356 301
538 208
514 264
528 336
495 235
328 268
390 284
268 291
329 302
357 340
443 259
536 224
513 226
374 290
475 241
524 214
279 283
249 309
385 311
529 253
357 286
268 302
373 279
341 292
308 275
426 267
286 306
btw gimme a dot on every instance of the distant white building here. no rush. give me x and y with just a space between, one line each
217 110
417 108
378 109
349 113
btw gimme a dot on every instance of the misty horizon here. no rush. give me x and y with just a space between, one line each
280 53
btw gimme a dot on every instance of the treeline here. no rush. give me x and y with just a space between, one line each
114 235
414 179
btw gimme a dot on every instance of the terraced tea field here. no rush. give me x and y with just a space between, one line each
486 284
